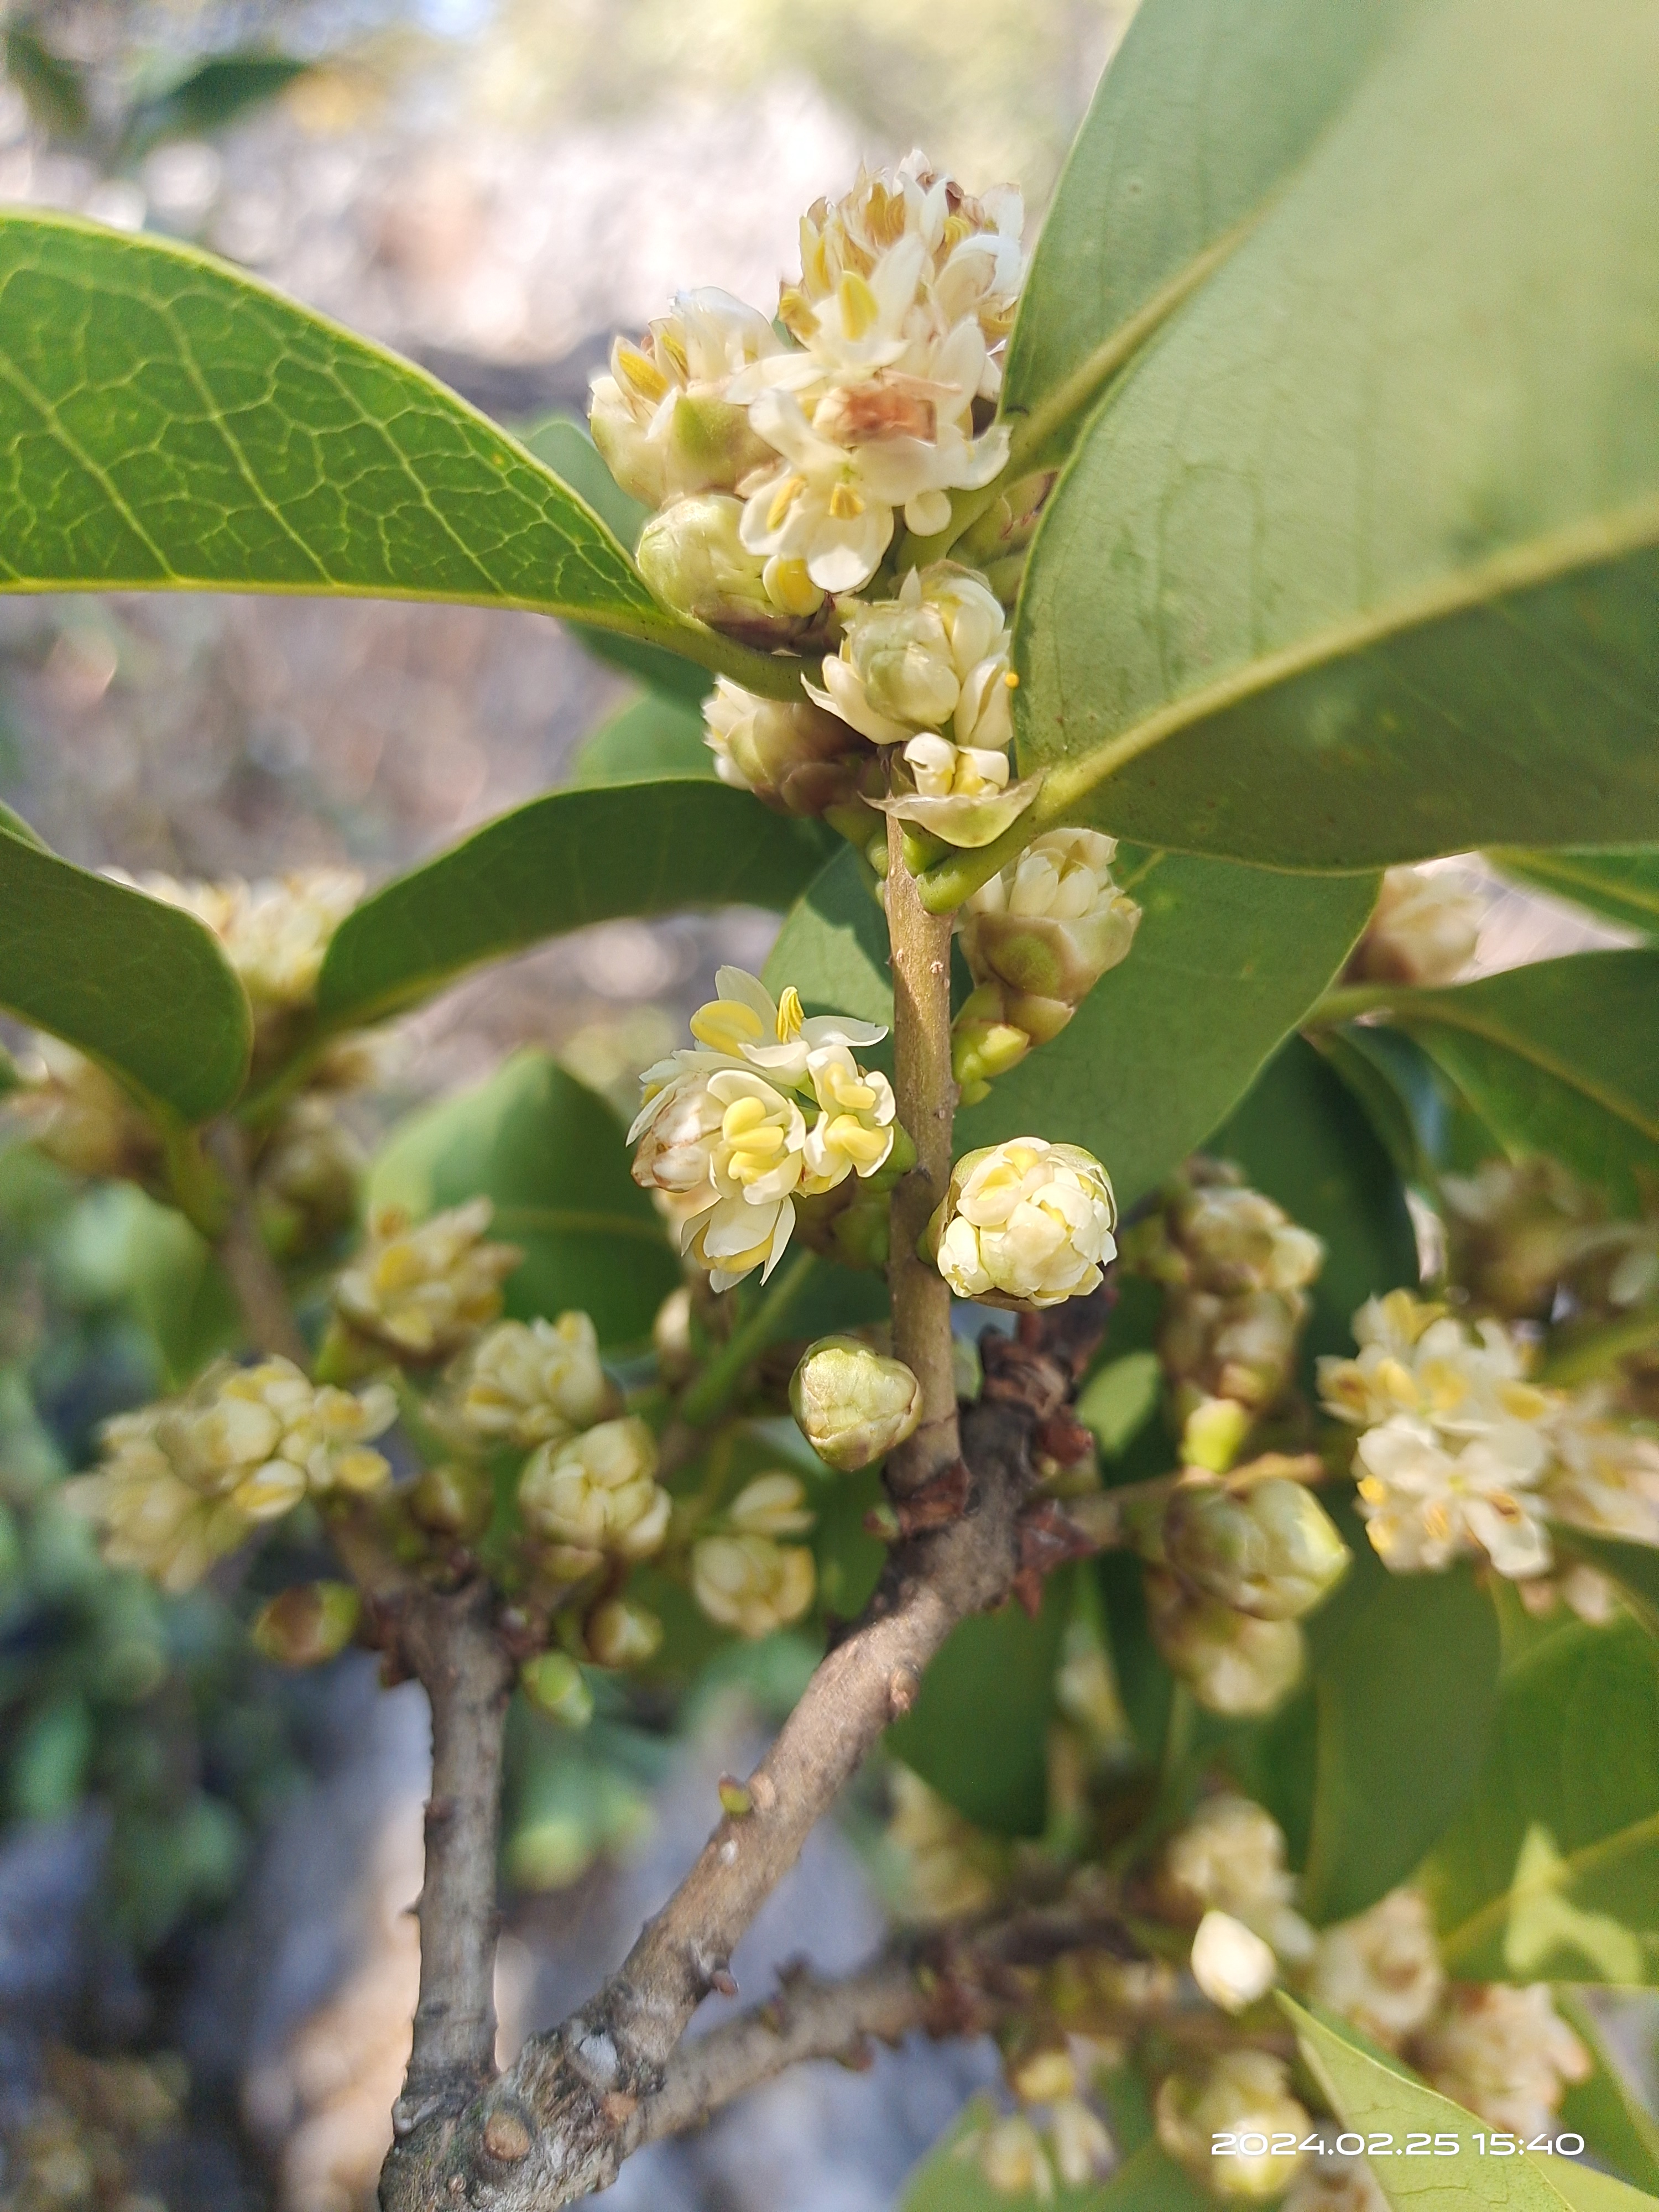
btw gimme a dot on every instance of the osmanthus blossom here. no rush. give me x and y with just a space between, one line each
1024 1222
723 1134
1426 1505
662 417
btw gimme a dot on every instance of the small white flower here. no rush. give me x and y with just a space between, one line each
795 757
771 1505
532 1383
1426 1505
853 1133
599 1492
951 1868
662 417
1425 930
1230 1858
1011 2158
1026 1222
935 655
424 1288
1230 1964
1505 2054
274 934
1383 1969
1415 1359
1606 1476
751 1583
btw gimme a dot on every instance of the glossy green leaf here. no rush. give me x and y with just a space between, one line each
1396 1755
833 945
1559 1057
551 1156
1120 1399
1374 2098
653 736
574 857
1552 1867
1357 562
1587 2191
1226 962
167 422
1206 110
1607 2110
979 1732
1304 1140
141 986
1621 887
564 445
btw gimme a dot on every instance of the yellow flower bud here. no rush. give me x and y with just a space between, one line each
423 1290
531 1383
554 1685
853 1405
598 1491
1231 1963
621 1634
1264 1547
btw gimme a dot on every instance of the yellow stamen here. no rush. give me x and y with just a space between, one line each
845 505
1011 680
638 371
859 1143
742 1116
724 1025
859 308
783 499
789 1015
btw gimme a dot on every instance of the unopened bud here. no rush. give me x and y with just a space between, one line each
307 1624
695 562
1213 1432
620 1634
598 1491
984 1045
1231 1963
794 756
737 1799
771 1505
751 1583
1024 1222
853 1405
1012 2159
1048 927
1267 1548
1232 1662
554 1684
1425 930
453 1500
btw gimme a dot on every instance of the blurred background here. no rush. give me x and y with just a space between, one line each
206 1965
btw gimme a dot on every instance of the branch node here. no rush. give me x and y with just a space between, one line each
903 1688
506 2135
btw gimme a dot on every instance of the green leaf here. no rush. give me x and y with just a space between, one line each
1587 2191
1227 960
1621 887
1151 2181
1120 1399
1357 563
51 88
979 1731
1396 1754
551 1156
1562 1057
1371 2098
209 96
1304 1141
1552 1867
1606 2110
167 422
653 736
1206 109
141 986
833 945
574 857
563 443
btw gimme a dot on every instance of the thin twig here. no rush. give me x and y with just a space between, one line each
254 1276
926 1093
709 1395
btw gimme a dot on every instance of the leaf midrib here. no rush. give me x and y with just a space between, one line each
1588 1859
1533 563
1448 1014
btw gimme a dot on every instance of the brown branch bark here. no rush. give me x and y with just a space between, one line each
926 1094
557 2124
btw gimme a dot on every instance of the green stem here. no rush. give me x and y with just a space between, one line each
1348 999
711 1393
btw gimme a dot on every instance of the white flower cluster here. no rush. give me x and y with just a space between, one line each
907 293
1054 2135
723 1133
533 1382
1502 2053
424 1289
1461 1455
182 1483
596 1496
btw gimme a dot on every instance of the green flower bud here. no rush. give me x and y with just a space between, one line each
694 560
1046 929
1267 1548
1232 1662
794 757
456 1500
307 1624
1213 1432
555 1684
853 1405
619 1634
